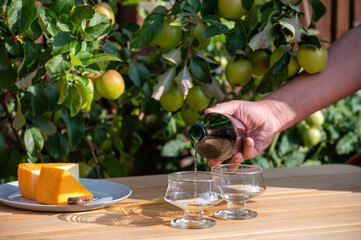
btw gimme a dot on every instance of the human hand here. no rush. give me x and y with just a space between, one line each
259 122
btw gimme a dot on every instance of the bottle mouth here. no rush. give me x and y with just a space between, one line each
197 133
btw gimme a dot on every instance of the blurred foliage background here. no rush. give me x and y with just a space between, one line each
132 135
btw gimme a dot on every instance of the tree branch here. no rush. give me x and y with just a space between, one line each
10 119
91 147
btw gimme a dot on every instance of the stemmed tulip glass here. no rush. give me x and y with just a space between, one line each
239 184
194 192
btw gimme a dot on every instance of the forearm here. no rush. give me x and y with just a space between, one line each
308 93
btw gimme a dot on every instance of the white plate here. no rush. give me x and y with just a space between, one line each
105 194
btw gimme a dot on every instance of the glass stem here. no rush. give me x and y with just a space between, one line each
236 206
194 216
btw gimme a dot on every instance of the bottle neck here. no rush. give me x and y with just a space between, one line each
197 133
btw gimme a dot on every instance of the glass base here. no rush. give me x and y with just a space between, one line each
192 224
237 215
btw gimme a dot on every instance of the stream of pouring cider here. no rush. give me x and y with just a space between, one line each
195 174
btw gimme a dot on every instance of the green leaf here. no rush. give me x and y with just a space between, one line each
271 80
63 42
247 4
80 13
35 31
112 47
48 21
174 147
43 123
81 84
75 127
167 132
61 6
113 167
174 55
31 54
74 60
346 144
196 4
129 29
53 30
27 80
310 41
261 162
292 2
214 30
34 142
12 47
262 39
293 25
356 105
19 120
208 7
53 96
72 100
282 64
283 146
235 40
332 130
101 57
9 161
252 20
2 6
184 80
99 136
65 24
4 59
318 9
175 9
98 27
294 159
138 73
201 70
212 20
8 77
289 142
165 83
84 56
20 15
95 67
213 90
151 27
358 125
57 146
58 65
85 170
267 14
160 9
39 100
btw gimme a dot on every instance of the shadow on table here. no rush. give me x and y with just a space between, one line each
130 214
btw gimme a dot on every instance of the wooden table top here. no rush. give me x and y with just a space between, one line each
322 202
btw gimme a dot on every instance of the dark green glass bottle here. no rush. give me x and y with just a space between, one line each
216 136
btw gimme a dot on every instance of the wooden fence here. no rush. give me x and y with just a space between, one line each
341 15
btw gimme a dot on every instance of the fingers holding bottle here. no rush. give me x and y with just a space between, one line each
248 148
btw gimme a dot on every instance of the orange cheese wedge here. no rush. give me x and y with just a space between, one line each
56 185
28 174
